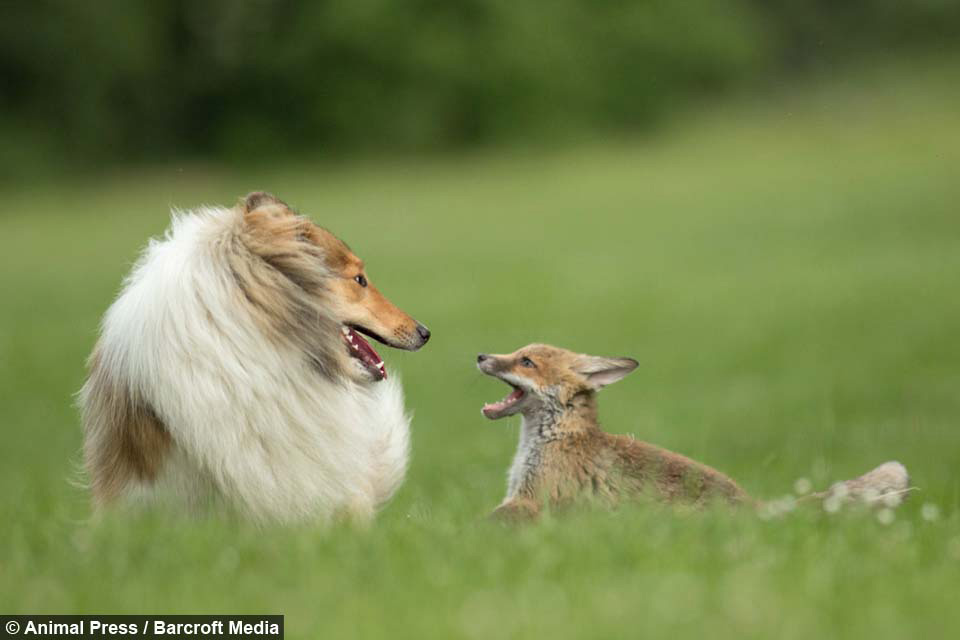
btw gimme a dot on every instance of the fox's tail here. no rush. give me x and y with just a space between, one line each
887 485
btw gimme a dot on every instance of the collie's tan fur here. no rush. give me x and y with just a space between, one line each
126 440
229 348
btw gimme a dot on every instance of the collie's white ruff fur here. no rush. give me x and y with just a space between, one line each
252 422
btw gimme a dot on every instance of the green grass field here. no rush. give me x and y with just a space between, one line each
787 272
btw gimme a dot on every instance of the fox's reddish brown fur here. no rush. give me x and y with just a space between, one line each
563 453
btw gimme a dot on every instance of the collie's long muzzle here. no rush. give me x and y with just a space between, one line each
358 347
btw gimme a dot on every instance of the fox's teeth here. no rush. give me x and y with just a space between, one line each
379 365
344 331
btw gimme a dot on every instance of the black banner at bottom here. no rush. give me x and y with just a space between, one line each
170 627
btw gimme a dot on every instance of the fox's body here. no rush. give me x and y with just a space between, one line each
564 455
565 458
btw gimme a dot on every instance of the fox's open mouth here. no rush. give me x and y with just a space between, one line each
494 410
360 349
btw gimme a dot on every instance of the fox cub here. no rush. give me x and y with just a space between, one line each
563 454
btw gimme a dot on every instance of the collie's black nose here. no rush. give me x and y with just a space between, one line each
482 357
423 332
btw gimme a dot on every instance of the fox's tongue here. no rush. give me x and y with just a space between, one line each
496 407
362 351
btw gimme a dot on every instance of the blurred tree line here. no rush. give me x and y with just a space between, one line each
127 80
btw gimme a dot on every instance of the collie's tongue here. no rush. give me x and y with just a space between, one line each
362 350
503 404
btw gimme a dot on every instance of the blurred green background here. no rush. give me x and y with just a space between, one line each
122 80
757 200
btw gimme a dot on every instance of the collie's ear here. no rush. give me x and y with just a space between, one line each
601 372
264 200
281 238
268 218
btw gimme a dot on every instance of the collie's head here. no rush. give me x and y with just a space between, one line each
305 286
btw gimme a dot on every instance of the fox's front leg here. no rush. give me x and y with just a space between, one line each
516 510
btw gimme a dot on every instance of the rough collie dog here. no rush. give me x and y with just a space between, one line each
231 370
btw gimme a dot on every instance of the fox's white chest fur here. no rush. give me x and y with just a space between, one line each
252 420
535 433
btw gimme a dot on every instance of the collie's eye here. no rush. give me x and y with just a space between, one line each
528 363
361 280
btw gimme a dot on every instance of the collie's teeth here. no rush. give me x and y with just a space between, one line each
379 365
345 331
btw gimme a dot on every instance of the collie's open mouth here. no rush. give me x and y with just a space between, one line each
360 349
497 409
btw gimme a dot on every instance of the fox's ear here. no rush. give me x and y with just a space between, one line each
601 372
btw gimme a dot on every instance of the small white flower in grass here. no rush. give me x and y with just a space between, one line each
832 504
802 486
766 511
787 503
840 490
892 500
778 507
885 516
930 512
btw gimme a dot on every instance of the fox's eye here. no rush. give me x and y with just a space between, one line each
361 280
528 363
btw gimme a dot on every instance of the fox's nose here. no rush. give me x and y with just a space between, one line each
423 332
482 357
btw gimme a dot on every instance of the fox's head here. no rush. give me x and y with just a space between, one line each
317 288
545 377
